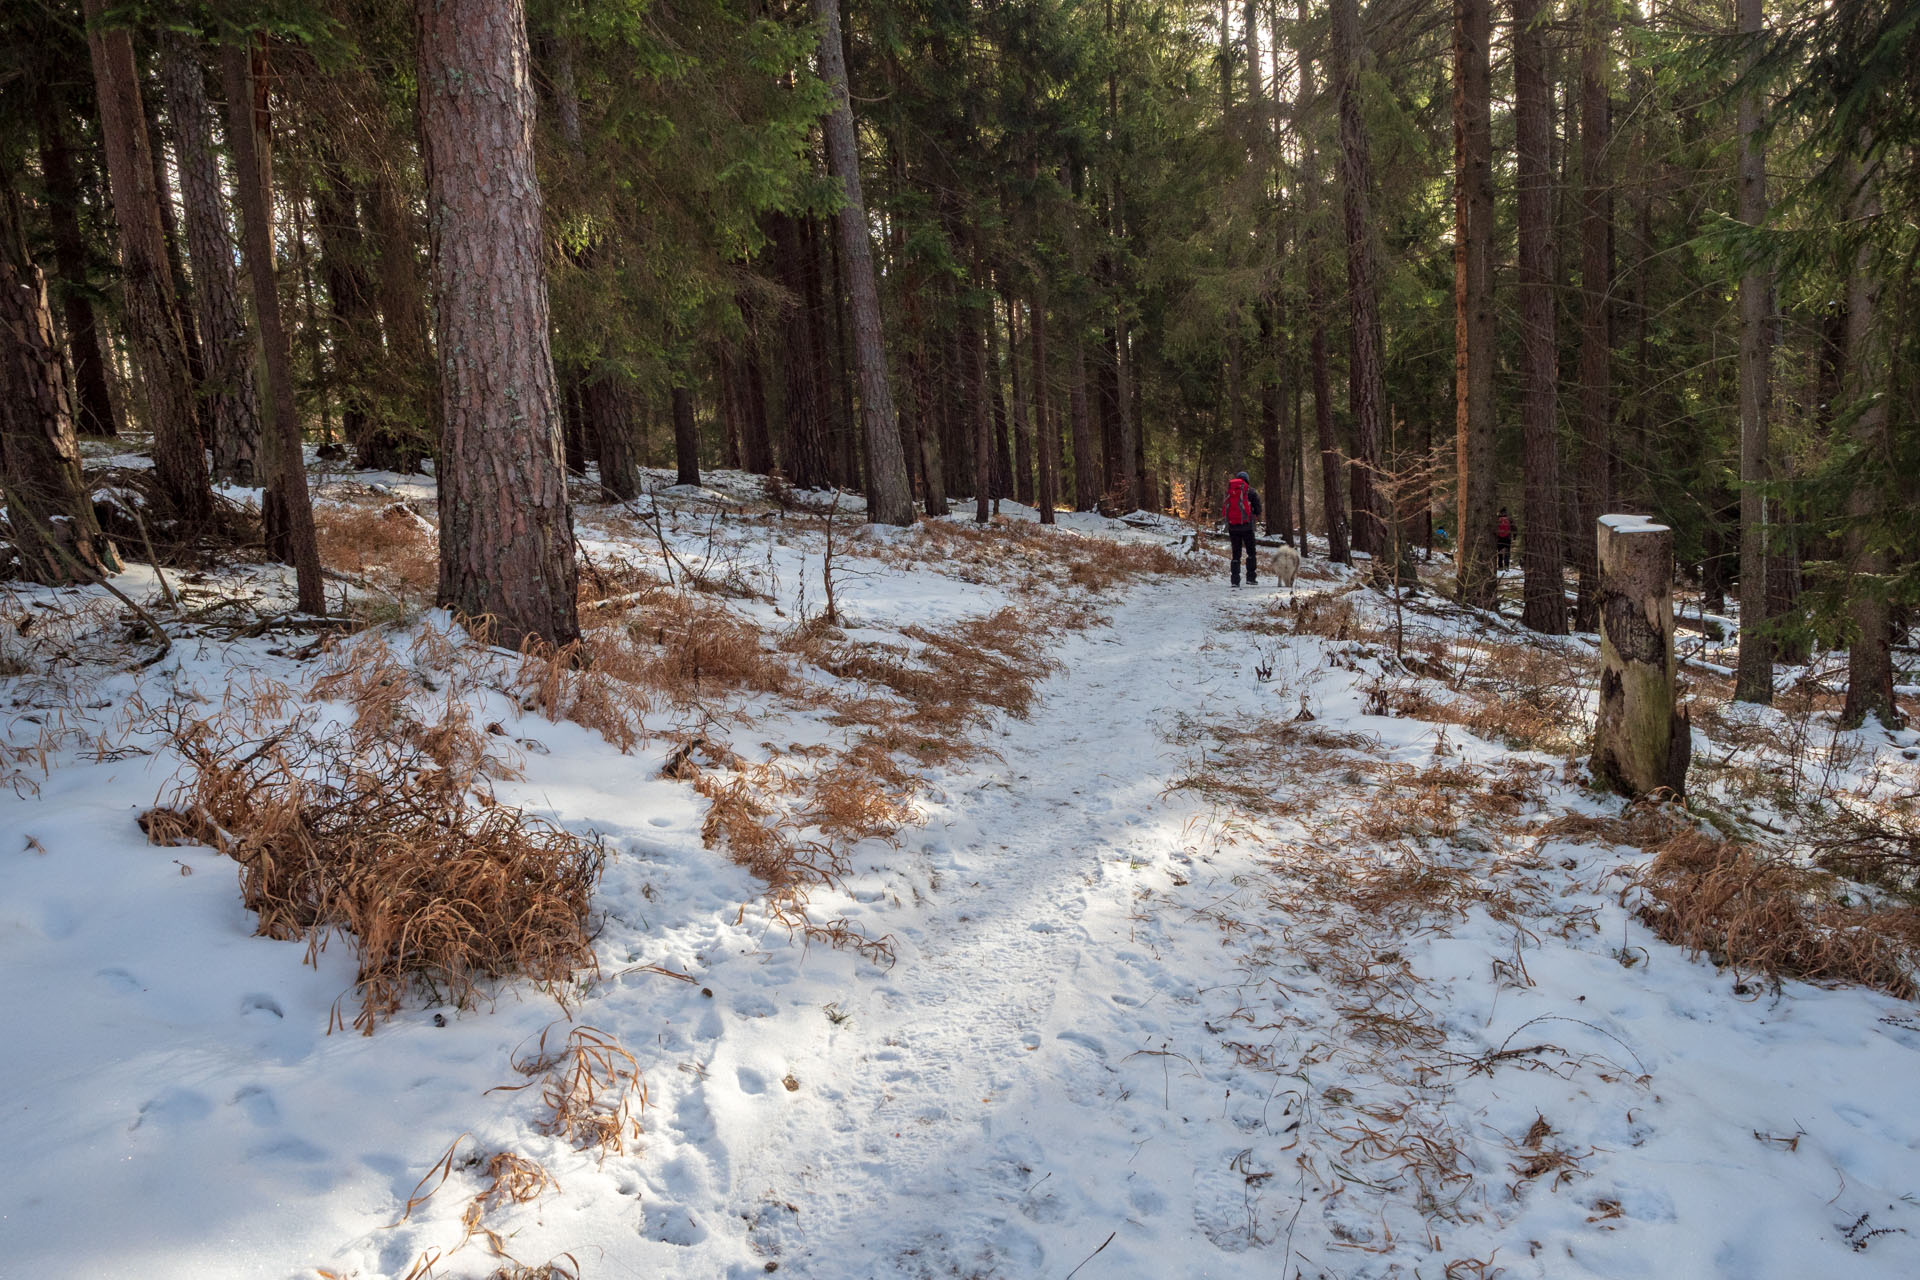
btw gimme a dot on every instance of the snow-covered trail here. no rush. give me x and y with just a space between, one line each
1001 1101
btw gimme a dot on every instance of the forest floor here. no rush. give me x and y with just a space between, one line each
1050 910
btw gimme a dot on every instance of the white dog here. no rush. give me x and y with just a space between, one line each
1286 564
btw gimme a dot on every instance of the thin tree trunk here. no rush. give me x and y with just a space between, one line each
350 318
606 420
686 439
973 343
1753 677
93 402
804 448
409 426
1596 357
1365 376
149 314
170 237
1477 583
1870 649
1049 450
49 510
1318 360
1086 457
231 398
1543 553
286 509
890 501
1022 425
997 399
506 536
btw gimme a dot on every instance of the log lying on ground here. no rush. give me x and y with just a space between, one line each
1642 741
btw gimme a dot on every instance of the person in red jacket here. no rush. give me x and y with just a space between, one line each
1503 539
1239 511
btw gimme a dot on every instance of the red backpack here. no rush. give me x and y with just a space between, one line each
1504 529
1238 509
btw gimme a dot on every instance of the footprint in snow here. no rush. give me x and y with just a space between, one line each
258 1105
1085 1041
259 1002
172 1108
751 1081
119 981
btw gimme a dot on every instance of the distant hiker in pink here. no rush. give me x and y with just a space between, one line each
1239 512
1503 538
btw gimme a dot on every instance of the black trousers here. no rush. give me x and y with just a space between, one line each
1504 548
1242 538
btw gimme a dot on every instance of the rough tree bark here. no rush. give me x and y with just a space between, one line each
1086 455
1043 430
93 410
506 536
286 509
1642 739
606 415
1022 425
804 426
149 313
1542 555
1870 650
889 500
231 399
1594 484
409 426
50 514
686 437
1753 677
1333 501
1477 583
1364 372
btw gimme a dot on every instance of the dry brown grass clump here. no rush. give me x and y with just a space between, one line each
591 1087
956 679
674 650
384 830
1760 915
390 547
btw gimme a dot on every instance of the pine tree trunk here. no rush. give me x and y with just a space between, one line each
149 314
1042 429
170 237
1596 357
506 536
749 394
93 411
1022 424
804 449
606 420
1473 301
1318 358
1364 373
1543 553
410 422
996 391
350 319
1870 648
686 438
981 415
286 510
1273 478
1086 456
49 511
1753 677
231 398
890 500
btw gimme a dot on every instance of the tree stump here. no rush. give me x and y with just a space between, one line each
1642 740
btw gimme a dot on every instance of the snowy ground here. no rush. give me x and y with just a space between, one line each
1184 983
